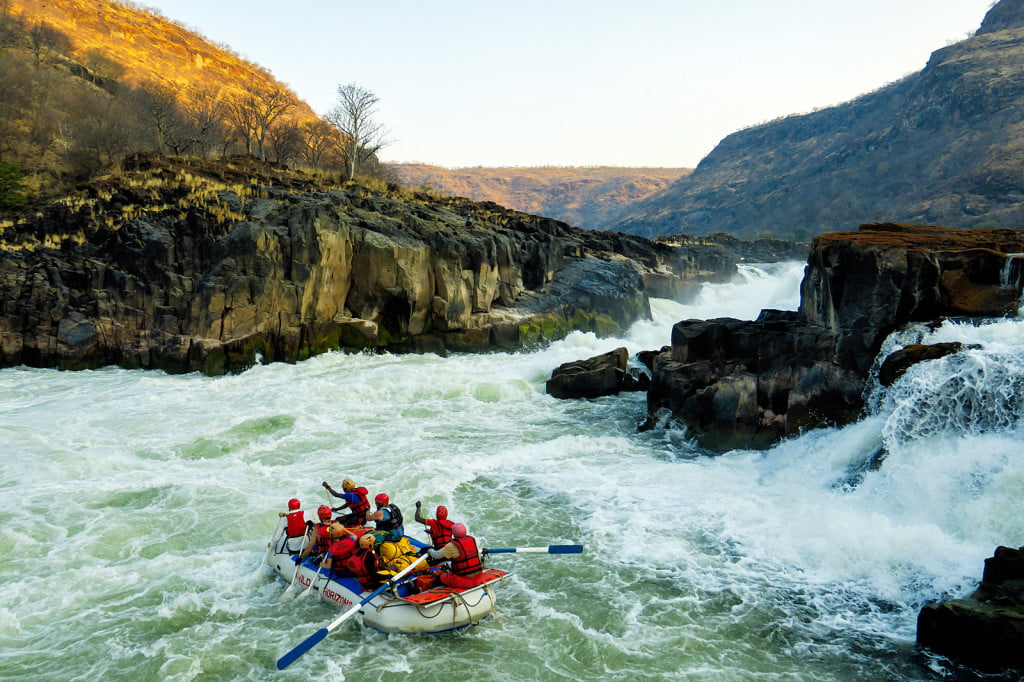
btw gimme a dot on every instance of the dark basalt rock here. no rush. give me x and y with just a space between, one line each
189 265
986 630
898 362
594 377
739 384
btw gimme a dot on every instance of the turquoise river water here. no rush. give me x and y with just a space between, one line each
135 508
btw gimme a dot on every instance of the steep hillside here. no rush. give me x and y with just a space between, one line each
141 47
943 146
589 197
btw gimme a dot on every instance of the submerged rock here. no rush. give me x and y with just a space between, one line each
898 362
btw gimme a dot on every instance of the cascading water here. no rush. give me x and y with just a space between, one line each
1011 274
136 507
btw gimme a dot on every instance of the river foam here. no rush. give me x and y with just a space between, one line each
136 507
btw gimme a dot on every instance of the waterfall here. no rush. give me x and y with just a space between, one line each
1011 273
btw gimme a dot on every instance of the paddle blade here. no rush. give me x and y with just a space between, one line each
550 549
565 549
302 648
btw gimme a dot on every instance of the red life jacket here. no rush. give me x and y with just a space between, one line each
340 550
363 505
323 538
363 563
468 562
440 532
296 524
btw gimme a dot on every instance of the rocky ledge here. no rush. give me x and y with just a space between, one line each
189 265
748 384
986 630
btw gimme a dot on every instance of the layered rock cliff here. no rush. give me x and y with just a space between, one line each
739 384
188 265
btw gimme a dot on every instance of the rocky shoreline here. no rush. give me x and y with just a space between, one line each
986 629
188 265
748 384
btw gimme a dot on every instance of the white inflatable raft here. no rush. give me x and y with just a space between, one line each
400 608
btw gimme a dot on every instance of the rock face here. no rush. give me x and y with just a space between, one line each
191 266
986 630
898 362
601 375
738 384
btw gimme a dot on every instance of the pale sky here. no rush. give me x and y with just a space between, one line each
580 82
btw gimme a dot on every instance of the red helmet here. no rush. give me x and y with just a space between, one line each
382 499
294 504
459 530
323 511
441 512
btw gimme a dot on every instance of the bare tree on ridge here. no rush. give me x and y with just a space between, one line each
353 116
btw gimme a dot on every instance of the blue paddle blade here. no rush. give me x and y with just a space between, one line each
550 549
565 549
302 648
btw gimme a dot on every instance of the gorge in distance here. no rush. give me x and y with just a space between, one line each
214 263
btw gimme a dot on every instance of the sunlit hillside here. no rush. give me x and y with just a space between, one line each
146 48
590 197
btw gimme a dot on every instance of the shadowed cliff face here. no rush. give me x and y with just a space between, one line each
193 266
739 384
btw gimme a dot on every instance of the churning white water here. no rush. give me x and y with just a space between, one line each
136 506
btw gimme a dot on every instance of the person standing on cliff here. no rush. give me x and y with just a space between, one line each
469 223
356 499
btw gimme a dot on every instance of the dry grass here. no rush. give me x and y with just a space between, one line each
152 49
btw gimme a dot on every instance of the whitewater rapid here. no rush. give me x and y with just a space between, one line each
136 506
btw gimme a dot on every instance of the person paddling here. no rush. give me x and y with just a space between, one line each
321 534
466 568
296 527
388 517
356 500
363 563
344 543
439 528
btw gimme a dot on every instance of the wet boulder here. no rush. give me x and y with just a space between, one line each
898 362
594 377
986 630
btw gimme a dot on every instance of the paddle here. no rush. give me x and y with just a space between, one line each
312 582
273 542
320 634
550 549
295 575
